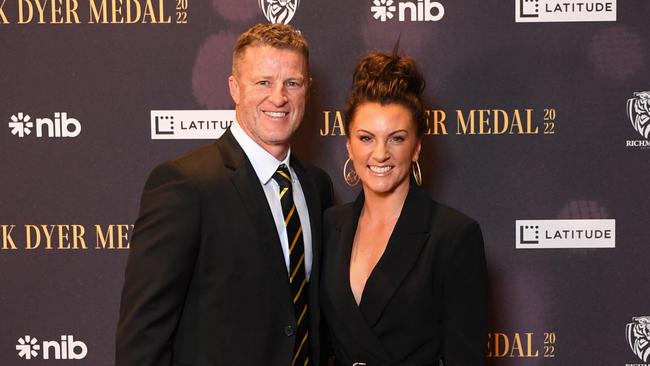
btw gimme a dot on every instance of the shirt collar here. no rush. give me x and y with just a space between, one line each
263 162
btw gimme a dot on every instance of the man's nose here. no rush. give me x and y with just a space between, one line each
278 95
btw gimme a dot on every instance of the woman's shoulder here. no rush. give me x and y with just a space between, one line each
443 215
334 214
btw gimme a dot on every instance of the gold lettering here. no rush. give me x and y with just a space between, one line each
337 125
56 11
21 17
78 233
462 125
529 121
63 234
123 232
529 340
94 12
506 344
148 11
40 8
516 121
28 237
326 122
48 235
7 240
516 345
138 11
71 6
484 121
439 127
161 13
3 17
495 117
104 239
115 11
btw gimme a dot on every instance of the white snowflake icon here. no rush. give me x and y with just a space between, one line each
383 9
27 347
20 124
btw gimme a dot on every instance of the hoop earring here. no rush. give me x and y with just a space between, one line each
350 176
417 173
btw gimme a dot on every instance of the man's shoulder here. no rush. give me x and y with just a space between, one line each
314 171
200 166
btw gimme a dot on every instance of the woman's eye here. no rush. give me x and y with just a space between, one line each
398 139
364 138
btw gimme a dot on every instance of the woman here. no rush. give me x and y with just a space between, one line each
403 277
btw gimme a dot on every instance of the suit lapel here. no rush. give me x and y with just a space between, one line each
339 281
402 252
252 195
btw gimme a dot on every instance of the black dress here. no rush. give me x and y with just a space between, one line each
425 300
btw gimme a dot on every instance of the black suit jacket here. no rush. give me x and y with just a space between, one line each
206 281
425 299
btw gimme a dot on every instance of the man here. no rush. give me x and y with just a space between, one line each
220 266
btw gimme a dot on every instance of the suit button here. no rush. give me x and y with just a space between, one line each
289 330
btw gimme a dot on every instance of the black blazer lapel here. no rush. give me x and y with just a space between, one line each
339 248
247 184
402 252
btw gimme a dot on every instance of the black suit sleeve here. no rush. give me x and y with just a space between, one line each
159 269
465 293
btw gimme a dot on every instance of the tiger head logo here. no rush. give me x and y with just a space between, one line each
638 337
638 110
279 11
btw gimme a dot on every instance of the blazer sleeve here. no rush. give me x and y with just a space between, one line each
161 261
465 299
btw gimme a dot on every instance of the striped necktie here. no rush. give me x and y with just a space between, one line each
297 278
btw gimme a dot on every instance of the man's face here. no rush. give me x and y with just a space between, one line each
269 87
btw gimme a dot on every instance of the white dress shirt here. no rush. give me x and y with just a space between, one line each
265 166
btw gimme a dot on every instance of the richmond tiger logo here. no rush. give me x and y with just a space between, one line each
638 110
638 337
279 11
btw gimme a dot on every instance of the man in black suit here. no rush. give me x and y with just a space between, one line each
211 277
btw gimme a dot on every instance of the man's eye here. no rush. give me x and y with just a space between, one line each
294 84
263 82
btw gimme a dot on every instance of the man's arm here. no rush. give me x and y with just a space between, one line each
161 261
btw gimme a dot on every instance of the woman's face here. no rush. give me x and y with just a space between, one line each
383 143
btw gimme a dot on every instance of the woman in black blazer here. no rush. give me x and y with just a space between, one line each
403 279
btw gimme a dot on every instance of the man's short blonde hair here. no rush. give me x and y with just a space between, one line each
281 36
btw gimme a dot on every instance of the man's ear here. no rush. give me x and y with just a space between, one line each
233 85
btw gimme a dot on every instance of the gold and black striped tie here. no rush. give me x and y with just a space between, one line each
297 278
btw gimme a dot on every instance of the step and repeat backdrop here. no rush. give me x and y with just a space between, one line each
538 127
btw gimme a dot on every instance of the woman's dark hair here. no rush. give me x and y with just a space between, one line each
387 79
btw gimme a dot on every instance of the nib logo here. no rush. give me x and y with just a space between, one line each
20 124
383 9
27 346
66 349
408 11
59 126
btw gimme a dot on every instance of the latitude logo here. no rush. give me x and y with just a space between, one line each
637 334
279 11
418 11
